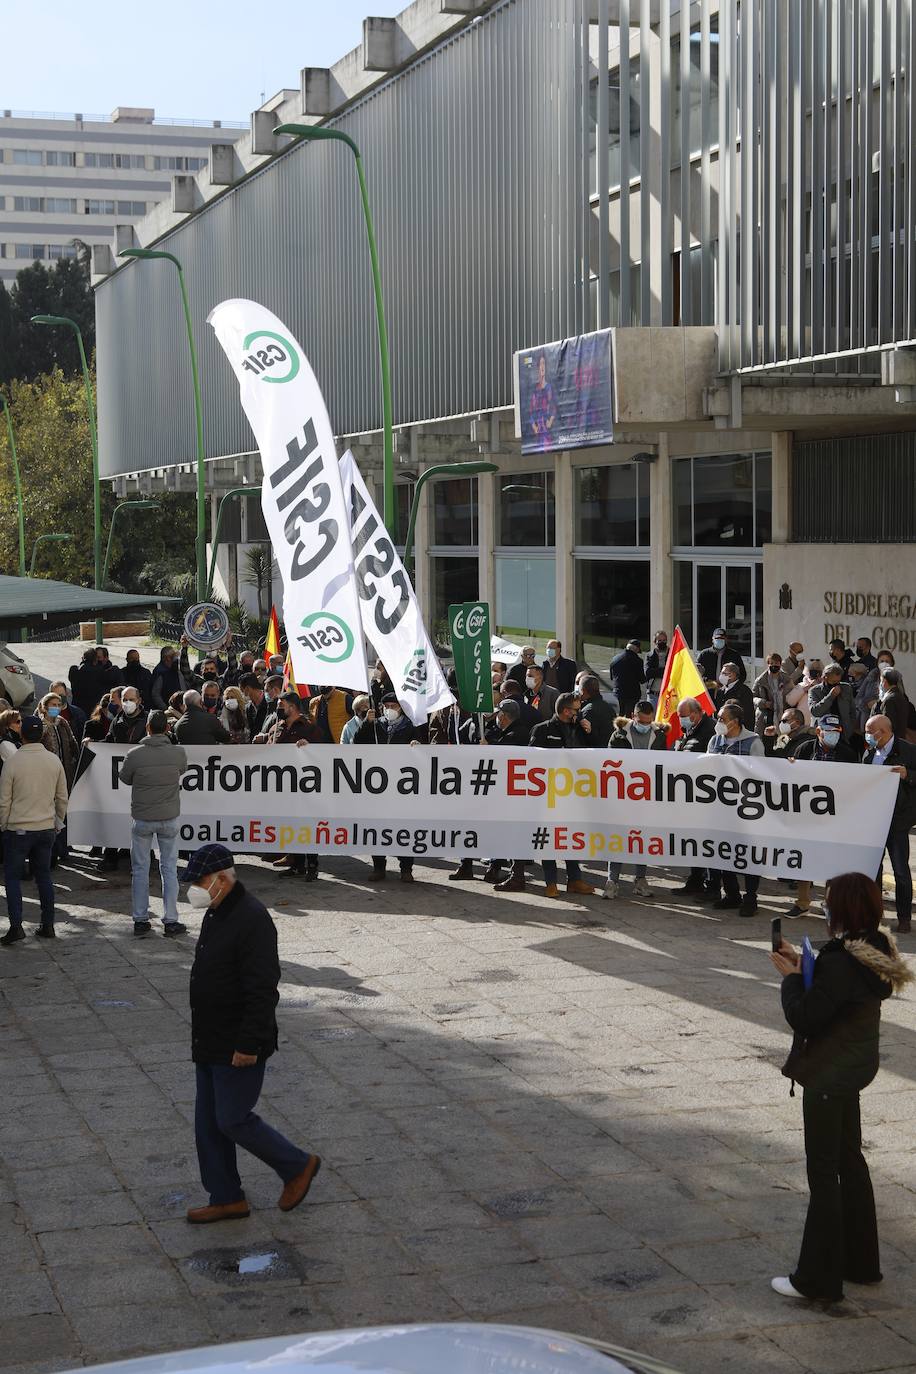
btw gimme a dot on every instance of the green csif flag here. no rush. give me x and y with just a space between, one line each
469 623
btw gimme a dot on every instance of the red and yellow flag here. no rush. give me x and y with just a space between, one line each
272 642
682 679
289 679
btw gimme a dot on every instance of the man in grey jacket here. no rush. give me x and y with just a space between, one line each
153 772
834 697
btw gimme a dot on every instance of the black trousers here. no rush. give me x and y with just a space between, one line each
841 1230
730 883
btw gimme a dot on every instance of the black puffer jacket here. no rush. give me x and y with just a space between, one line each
837 1021
234 981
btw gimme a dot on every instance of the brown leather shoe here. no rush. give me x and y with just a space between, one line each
226 1211
511 885
551 890
581 889
297 1187
407 875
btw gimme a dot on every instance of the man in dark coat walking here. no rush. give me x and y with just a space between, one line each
883 747
234 982
628 675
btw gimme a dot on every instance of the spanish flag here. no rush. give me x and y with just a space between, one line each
289 679
272 642
682 679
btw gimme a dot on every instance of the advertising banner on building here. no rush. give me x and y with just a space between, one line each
301 494
391 618
778 819
469 623
564 394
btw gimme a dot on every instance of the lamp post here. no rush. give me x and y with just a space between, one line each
45 539
236 491
439 470
66 321
312 133
201 541
16 482
122 505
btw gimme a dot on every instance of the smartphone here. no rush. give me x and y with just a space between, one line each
775 934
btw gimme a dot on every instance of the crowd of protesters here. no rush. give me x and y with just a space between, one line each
847 708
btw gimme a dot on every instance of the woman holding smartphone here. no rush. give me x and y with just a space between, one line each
836 1024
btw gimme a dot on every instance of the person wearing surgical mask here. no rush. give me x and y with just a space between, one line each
884 749
789 734
387 726
540 696
57 737
711 661
732 688
129 726
235 981
825 746
641 731
234 715
559 672
292 726
562 731
153 772
731 736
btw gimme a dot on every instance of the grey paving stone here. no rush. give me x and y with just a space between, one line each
865 1344
121 1329
39 1337
25 1293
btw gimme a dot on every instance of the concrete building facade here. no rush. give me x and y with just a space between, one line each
731 192
65 180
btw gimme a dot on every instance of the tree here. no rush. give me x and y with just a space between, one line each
28 351
258 571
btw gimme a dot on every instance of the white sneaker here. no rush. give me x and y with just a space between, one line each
610 889
785 1289
641 888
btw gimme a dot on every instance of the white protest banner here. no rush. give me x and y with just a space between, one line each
391 618
779 819
301 495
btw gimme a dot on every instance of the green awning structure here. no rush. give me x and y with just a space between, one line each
24 598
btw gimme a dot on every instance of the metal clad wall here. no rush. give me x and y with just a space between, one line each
846 509
477 182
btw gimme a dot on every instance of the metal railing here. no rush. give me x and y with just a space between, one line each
106 119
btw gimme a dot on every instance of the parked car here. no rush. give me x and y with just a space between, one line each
16 682
459 1348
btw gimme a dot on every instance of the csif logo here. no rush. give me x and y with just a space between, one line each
276 352
474 621
328 637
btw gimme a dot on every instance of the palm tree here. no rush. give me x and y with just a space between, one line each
258 572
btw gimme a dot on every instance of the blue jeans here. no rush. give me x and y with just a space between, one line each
224 1117
898 851
18 846
613 871
573 871
141 843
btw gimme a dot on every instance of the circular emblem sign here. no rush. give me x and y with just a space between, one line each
206 625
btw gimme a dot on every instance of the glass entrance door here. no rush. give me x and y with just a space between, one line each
730 595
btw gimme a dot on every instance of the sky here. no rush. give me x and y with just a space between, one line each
192 60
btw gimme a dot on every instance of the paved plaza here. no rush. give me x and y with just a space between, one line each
566 1114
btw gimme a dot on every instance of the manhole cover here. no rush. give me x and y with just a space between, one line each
248 1264
524 1204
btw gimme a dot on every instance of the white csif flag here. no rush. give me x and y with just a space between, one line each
301 494
392 622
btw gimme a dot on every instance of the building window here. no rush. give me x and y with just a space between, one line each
403 500
256 531
62 250
612 607
98 159
60 205
613 80
178 164
30 203
455 578
27 157
527 514
58 159
832 504
612 506
722 501
30 250
99 207
131 207
455 513
132 160
695 115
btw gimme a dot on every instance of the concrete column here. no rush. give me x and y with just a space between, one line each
423 580
661 568
782 486
486 538
565 614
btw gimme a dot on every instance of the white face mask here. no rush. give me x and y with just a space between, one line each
199 896
231 704
721 728
129 708
392 714
726 679
551 653
718 642
531 681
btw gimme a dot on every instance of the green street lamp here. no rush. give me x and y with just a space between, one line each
439 470
236 491
122 505
17 483
312 133
201 541
94 437
45 539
